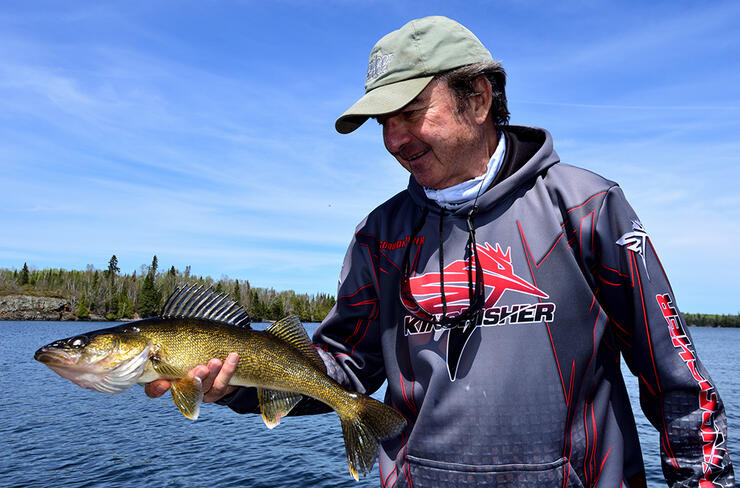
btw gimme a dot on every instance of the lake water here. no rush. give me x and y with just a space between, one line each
53 433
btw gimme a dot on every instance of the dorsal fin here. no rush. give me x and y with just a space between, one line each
197 302
289 329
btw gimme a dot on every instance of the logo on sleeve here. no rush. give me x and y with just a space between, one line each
636 242
711 436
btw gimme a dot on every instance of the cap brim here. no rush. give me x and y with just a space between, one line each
379 101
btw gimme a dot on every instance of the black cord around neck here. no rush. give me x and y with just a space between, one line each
442 263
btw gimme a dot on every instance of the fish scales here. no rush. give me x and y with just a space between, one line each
280 361
264 360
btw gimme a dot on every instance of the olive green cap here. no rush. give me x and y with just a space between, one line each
404 62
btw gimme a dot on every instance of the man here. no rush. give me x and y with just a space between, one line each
496 293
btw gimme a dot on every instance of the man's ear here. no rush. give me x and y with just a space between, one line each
480 103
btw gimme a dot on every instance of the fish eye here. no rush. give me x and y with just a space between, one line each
79 341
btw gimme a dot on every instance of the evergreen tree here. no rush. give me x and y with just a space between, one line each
110 308
255 309
125 307
276 309
113 266
82 312
218 288
236 294
150 298
25 275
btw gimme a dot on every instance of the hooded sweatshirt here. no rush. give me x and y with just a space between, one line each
528 392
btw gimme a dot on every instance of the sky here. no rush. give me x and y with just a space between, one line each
203 131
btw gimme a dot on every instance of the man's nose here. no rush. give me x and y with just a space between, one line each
395 134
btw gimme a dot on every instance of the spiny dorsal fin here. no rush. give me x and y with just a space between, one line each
289 329
197 302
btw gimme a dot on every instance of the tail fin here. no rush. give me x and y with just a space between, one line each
371 422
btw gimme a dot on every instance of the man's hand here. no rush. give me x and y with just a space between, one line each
214 376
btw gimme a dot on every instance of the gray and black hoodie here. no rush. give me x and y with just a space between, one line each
530 393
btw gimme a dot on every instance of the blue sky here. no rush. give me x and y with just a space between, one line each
202 131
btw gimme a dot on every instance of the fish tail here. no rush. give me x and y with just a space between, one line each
368 423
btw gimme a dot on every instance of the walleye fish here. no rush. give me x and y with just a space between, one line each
196 325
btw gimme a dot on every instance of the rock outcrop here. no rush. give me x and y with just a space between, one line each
27 307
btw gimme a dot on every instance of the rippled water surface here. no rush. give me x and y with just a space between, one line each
53 433
718 350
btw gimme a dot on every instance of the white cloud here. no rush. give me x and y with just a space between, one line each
139 140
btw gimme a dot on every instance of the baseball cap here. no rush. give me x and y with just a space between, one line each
403 63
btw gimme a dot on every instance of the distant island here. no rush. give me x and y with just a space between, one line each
92 294
711 320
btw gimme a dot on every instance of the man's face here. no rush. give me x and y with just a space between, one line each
440 146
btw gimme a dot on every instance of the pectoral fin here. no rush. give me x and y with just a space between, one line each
165 369
187 394
275 405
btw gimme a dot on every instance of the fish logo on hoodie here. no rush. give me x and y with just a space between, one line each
498 277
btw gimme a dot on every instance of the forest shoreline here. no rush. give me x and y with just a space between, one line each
31 307
92 294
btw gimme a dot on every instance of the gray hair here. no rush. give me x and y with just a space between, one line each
460 80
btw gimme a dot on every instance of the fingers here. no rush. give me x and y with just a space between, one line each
156 388
214 377
221 375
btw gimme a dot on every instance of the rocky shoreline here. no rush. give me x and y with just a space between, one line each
29 307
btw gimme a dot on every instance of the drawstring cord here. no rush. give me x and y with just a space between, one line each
476 289
442 264
471 250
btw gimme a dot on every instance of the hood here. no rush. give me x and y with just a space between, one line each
529 153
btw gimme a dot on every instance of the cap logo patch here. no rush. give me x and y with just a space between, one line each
377 66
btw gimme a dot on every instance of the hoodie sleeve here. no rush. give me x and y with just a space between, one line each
348 339
350 333
677 394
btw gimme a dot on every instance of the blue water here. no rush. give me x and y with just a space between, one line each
717 349
53 433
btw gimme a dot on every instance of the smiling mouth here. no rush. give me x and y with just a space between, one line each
414 156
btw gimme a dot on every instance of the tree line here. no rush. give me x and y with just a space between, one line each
711 320
108 293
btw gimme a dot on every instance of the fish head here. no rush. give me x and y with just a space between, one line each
107 360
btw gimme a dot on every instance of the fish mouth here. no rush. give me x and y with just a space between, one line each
103 374
56 357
